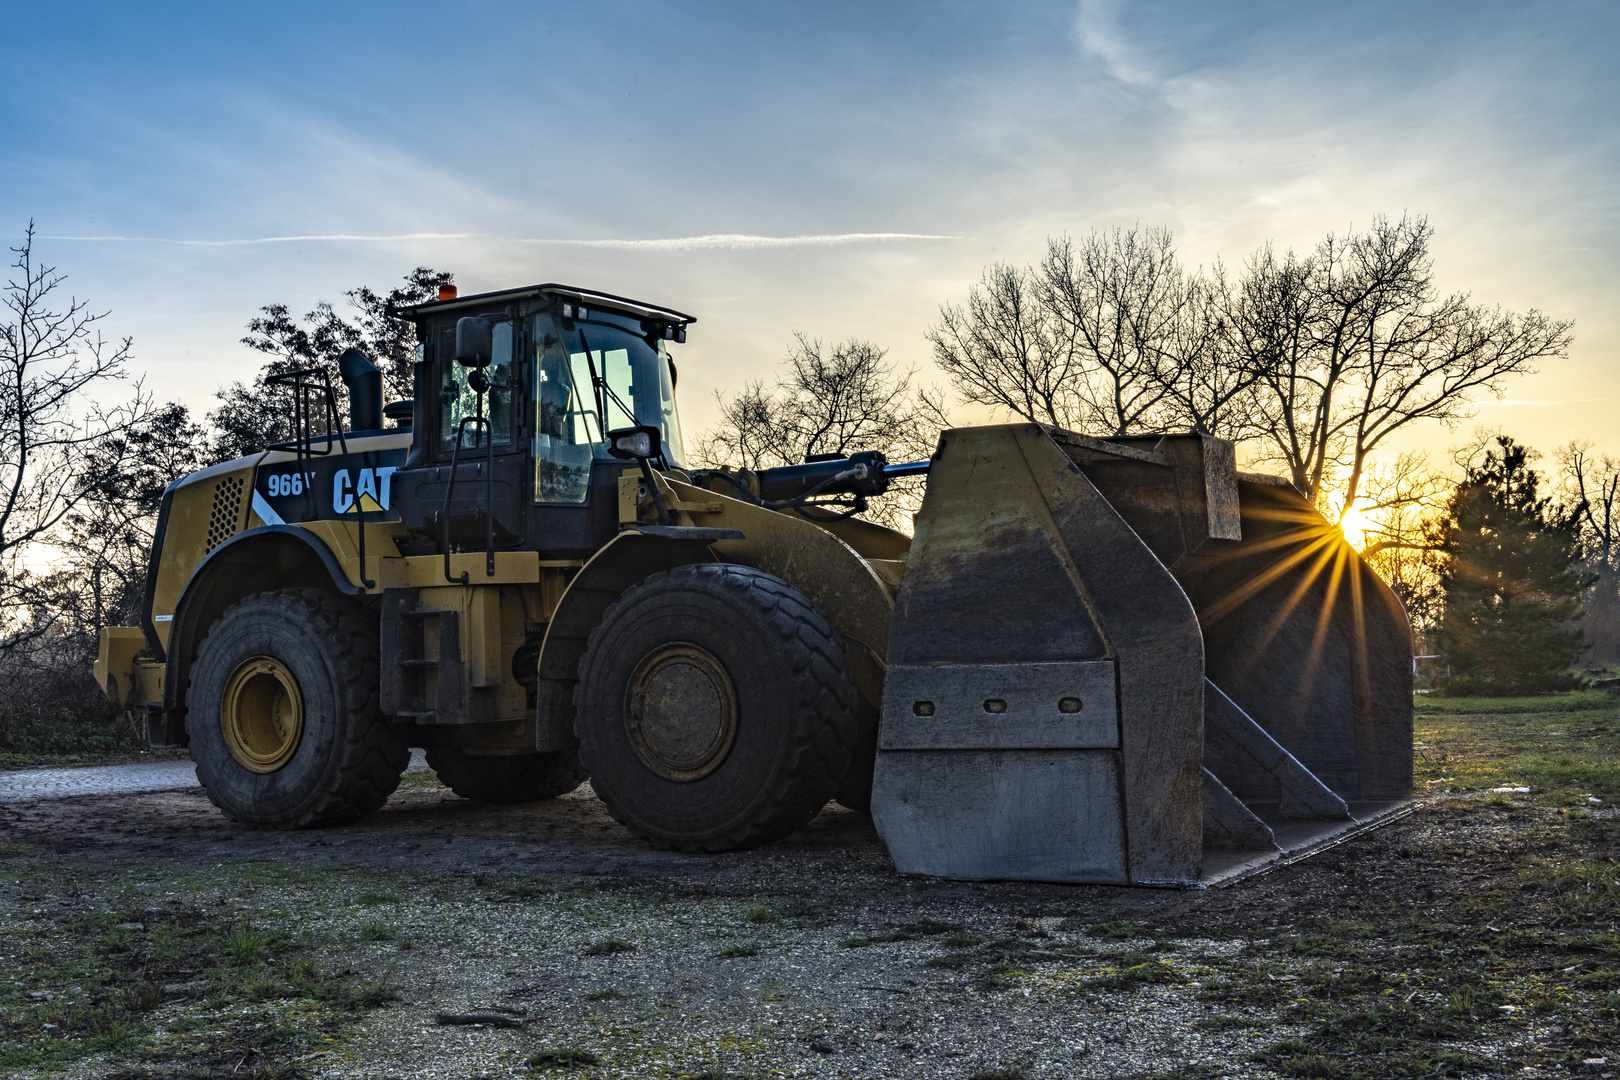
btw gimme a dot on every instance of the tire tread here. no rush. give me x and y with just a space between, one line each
371 757
819 753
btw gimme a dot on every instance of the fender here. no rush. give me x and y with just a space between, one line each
253 561
620 563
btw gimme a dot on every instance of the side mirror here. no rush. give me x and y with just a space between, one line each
636 442
474 342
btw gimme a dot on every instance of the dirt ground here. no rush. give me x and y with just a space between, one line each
145 935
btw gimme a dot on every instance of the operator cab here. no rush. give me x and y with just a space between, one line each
515 393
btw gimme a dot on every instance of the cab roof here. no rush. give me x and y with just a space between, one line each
621 304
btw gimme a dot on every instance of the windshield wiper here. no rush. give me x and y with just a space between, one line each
602 387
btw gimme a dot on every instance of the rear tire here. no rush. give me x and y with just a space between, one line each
714 708
282 712
506 778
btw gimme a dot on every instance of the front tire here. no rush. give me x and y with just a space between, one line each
714 708
282 713
506 778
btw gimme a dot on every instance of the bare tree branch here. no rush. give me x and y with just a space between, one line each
1355 343
53 436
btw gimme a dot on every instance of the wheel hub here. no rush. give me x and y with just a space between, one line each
681 712
261 714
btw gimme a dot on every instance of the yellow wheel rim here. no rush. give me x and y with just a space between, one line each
681 712
261 714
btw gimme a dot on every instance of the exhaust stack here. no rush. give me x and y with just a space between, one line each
364 381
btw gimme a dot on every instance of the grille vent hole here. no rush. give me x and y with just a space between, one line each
227 505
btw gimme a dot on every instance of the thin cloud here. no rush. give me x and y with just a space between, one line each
1097 24
676 243
1528 401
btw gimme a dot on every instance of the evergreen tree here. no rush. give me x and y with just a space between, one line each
1512 577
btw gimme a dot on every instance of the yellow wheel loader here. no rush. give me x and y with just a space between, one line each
1097 660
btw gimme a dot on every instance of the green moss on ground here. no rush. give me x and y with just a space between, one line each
162 977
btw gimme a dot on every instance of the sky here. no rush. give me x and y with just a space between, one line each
840 169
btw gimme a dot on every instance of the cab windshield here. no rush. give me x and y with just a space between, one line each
573 413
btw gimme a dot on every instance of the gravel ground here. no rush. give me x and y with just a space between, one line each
28 785
808 958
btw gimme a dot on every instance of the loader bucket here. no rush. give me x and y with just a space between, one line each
1120 661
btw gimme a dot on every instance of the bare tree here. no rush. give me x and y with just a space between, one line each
1355 343
840 401
96 572
1108 335
1122 297
1591 485
1398 493
1009 350
1206 385
54 437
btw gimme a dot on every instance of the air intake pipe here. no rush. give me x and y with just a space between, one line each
364 381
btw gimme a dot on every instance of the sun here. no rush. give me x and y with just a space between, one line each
1355 524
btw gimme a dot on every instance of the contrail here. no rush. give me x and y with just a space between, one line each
676 243
1528 401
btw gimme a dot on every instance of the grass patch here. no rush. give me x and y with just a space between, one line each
1136 971
244 945
761 913
608 994
1114 930
562 1058
1562 746
525 891
609 946
97 964
1323 945
736 951
420 780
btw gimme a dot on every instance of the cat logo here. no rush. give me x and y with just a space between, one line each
365 493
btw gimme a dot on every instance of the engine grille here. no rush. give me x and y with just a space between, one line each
227 505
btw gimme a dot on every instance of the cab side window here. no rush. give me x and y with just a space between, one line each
459 400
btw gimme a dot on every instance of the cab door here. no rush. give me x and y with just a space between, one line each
574 491
478 434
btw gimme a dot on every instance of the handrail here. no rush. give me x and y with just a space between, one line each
304 442
489 498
